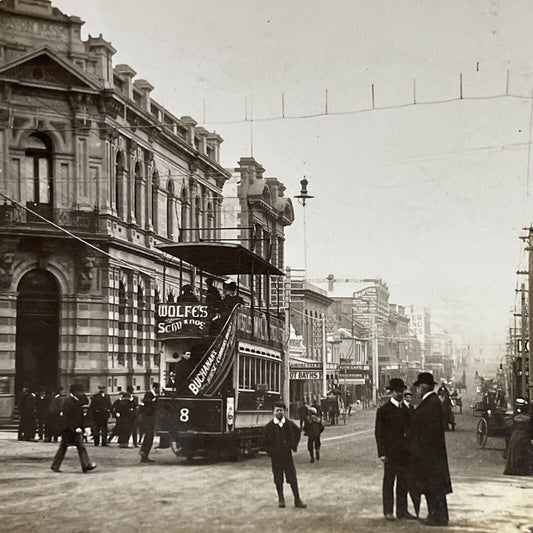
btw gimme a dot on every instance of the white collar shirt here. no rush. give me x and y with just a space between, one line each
428 393
279 422
395 402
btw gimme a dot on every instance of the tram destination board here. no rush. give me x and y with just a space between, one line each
182 415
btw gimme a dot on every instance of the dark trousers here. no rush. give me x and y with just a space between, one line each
437 509
148 439
100 432
393 472
283 467
70 440
313 444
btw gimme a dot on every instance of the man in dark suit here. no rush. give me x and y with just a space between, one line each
148 422
427 446
280 439
100 409
72 434
391 423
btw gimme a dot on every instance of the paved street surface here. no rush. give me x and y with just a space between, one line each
343 490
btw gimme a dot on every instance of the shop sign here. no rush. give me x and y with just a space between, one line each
306 374
177 320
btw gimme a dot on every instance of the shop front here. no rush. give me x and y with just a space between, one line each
305 384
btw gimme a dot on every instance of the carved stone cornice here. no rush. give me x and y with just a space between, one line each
81 126
107 133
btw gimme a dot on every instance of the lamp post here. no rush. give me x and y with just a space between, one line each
302 199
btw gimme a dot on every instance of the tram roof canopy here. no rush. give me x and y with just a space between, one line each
221 258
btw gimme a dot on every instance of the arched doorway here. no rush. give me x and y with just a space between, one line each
37 355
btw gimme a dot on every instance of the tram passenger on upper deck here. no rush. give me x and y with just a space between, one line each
231 298
187 296
212 295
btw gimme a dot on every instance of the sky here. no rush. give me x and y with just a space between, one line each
430 197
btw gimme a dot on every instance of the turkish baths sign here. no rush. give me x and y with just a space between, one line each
175 320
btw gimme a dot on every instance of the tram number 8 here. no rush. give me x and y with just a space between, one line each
184 414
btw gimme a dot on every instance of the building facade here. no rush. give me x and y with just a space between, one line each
95 175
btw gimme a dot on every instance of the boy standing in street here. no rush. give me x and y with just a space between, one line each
313 427
280 439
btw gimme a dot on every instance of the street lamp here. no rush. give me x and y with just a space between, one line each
302 199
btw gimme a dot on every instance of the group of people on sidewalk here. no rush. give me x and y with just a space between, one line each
411 444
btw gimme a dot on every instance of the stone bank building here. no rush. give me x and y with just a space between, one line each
85 150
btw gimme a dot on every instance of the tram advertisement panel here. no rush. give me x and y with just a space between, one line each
175 320
182 415
209 374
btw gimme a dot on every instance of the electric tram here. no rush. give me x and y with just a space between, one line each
224 358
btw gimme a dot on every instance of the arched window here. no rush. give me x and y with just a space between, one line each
122 303
155 196
170 209
119 184
137 194
141 306
39 157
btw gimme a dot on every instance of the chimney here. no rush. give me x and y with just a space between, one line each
146 88
128 74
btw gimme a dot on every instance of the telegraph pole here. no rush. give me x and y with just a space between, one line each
375 360
324 352
530 302
524 326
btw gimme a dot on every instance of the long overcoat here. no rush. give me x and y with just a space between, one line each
428 464
390 431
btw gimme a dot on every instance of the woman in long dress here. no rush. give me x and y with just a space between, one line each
517 463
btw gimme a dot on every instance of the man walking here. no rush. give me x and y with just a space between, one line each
280 439
148 422
427 445
391 423
100 409
72 434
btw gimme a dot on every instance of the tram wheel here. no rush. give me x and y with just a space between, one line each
482 432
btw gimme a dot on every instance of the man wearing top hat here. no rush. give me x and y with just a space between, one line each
427 446
392 419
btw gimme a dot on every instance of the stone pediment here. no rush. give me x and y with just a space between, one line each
43 67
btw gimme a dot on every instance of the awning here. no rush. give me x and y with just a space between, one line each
220 258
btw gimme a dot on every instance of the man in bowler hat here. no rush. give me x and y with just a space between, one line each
280 439
427 446
392 419
72 434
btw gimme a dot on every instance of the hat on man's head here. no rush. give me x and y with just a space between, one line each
186 287
280 404
397 384
76 387
407 392
313 410
230 284
101 387
425 378
520 402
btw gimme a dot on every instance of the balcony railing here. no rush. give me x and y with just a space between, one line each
14 215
